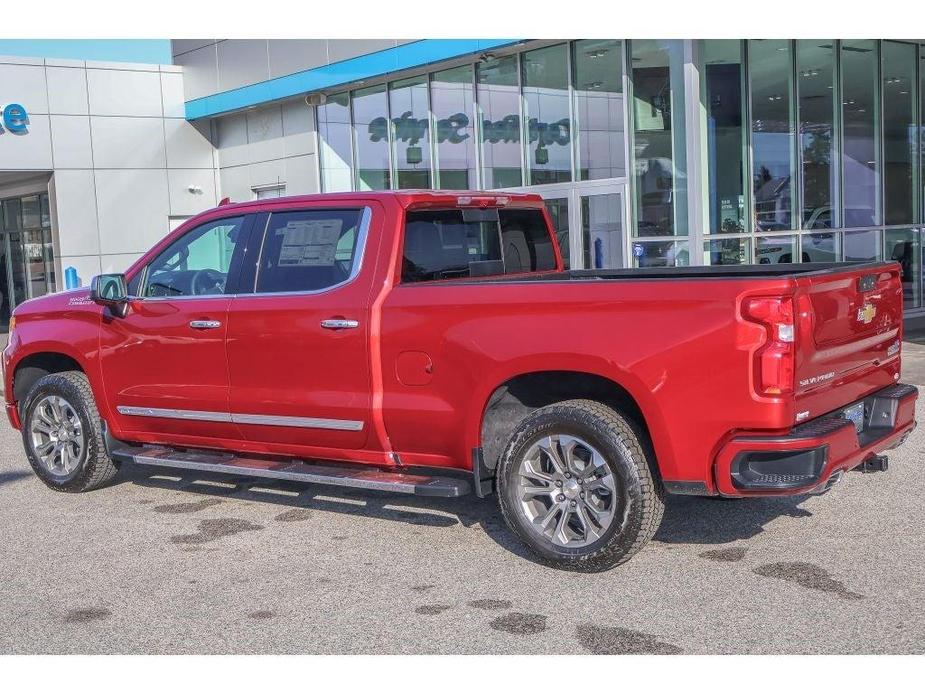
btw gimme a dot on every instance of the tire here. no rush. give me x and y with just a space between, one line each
87 464
582 431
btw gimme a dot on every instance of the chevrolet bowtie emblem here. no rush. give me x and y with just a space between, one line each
866 313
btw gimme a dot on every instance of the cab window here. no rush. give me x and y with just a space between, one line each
197 263
309 250
450 244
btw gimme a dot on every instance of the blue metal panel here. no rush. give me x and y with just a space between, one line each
362 67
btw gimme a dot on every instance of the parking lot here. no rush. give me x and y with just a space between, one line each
163 563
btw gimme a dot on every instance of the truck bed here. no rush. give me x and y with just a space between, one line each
779 270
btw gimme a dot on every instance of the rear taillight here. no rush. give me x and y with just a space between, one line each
774 360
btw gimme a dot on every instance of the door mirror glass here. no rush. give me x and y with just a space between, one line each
109 290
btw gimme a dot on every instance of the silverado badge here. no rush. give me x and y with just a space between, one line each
866 313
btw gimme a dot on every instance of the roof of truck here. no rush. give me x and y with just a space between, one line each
406 198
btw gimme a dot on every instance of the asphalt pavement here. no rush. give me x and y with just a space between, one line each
171 563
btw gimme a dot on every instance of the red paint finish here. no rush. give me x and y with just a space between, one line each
691 350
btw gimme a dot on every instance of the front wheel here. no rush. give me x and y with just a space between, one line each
577 487
62 434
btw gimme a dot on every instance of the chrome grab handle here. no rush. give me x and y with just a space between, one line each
205 324
339 323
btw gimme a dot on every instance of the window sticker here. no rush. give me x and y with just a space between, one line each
309 242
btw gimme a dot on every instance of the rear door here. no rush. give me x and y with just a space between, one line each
850 324
297 340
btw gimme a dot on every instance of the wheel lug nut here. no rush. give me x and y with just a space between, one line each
572 502
561 497
568 475
558 483
581 495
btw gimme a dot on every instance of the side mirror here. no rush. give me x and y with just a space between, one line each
112 291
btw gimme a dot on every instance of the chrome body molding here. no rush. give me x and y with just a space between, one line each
238 418
195 415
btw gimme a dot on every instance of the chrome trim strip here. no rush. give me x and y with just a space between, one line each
167 413
237 418
306 422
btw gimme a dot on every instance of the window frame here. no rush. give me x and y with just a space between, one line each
356 267
234 268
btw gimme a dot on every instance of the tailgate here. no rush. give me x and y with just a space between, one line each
850 325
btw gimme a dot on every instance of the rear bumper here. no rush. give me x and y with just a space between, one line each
806 458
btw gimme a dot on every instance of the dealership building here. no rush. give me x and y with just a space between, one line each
647 152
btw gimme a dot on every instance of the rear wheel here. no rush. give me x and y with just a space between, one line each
576 486
62 434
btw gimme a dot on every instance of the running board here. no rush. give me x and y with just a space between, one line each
355 476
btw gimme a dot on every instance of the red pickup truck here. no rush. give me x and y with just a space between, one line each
431 343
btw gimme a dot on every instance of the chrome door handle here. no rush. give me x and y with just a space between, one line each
339 323
205 324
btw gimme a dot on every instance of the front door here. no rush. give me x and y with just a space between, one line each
298 340
164 367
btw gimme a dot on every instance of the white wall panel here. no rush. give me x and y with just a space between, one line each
124 93
133 209
67 90
70 138
128 143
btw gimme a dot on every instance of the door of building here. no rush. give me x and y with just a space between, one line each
26 256
590 220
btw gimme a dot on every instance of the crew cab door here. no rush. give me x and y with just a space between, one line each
164 367
298 340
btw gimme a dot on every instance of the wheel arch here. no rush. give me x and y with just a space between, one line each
35 365
519 395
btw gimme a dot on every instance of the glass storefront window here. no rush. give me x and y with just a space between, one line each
658 138
775 249
771 70
862 245
816 104
336 136
660 254
725 136
499 107
903 246
452 104
602 230
408 104
598 82
899 132
558 212
821 248
726 252
371 130
860 131
546 101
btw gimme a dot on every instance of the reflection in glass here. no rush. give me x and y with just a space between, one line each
862 245
899 131
410 132
545 87
659 196
725 252
558 212
499 106
602 230
815 88
451 101
336 138
903 247
821 248
775 249
371 129
725 136
598 68
772 130
660 254
860 134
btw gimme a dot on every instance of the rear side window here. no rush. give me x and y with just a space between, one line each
309 250
450 244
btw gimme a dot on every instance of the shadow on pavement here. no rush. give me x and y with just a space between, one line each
7 477
687 520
